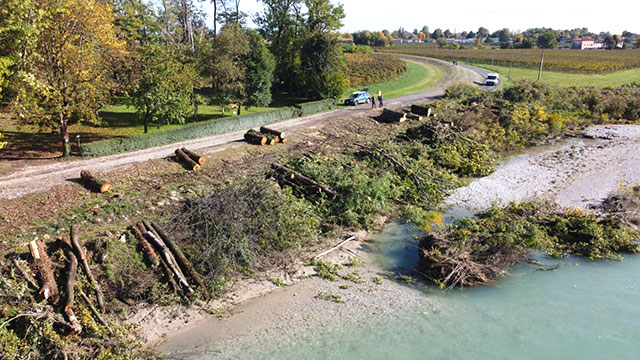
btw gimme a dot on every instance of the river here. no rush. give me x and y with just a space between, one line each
581 310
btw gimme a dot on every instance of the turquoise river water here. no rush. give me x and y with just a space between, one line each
582 310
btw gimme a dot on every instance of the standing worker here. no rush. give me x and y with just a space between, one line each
380 98
373 102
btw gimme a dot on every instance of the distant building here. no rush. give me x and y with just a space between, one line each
584 44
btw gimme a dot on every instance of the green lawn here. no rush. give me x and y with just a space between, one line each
565 78
419 76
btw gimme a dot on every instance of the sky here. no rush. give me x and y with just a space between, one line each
465 15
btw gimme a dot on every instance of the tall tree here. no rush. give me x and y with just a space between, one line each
280 25
162 89
260 65
67 73
231 13
547 40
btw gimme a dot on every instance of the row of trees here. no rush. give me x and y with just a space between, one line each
63 60
541 37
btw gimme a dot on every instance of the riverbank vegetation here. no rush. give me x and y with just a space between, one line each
239 220
477 250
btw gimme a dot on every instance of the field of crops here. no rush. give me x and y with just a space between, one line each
579 61
365 69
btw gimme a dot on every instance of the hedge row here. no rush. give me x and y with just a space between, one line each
203 128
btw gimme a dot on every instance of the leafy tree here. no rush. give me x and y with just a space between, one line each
609 42
231 12
280 25
66 73
163 86
425 30
504 37
437 34
471 35
225 65
547 40
322 67
483 32
260 64
448 34
324 16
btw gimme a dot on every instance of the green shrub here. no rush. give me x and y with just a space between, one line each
316 106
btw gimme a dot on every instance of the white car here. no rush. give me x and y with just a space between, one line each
492 79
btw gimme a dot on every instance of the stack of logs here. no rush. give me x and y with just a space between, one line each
288 177
161 250
189 159
416 113
265 136
48 288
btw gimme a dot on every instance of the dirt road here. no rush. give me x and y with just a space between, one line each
41 177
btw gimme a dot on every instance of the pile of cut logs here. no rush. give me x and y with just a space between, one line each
161 250
46 284
301 183
417 113
190 159
265 136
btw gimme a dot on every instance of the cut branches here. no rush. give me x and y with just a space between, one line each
77 249
311 186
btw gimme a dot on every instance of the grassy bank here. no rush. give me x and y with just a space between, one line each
565 78
419 76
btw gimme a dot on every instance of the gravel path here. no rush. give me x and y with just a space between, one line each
578 173
42 177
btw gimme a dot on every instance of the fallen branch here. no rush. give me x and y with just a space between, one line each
85 265
181 259
25 274
146 247
165 268
44 271
303 181
71 272
95 183
170 262
93 310
334 248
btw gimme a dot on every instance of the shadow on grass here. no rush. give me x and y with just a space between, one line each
34 146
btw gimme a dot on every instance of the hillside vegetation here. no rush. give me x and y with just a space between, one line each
363 69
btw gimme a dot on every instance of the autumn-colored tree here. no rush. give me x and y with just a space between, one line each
422 36
66 74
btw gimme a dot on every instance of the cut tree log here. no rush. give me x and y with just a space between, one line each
44 271
95 183
195 157
255 137
414 117
279 134
165 268
184 263
272 139
184 158
310 185
69 291
150 228
168 258
392 116
146 247
77 249
421 110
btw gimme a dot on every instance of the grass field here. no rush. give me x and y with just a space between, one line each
419 76
565 78
585 61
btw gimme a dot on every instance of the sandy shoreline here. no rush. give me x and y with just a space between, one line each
577 172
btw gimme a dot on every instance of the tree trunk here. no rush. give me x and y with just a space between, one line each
195 157
95 183
72 270
266 130
44 271
146 121
166 255
64 134
142 230
255 137
187 160
421 110
146 247
85 265
181 259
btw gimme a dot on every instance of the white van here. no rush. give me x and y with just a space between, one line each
492 79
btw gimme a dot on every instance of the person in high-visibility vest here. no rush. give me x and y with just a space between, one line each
380 98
